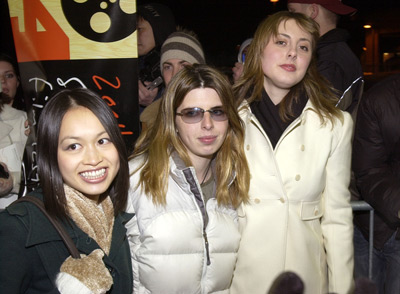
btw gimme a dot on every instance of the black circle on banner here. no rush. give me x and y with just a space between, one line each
79 15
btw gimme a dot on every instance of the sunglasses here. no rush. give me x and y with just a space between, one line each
196 114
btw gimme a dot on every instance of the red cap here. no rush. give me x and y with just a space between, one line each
335 6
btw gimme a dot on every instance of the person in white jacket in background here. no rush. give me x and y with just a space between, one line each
298 146
188 175
13 127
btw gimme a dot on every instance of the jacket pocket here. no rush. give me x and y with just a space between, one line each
311 210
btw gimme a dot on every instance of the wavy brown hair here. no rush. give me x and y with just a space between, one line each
318 90
158 142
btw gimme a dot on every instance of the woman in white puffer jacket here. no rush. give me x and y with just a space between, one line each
188 174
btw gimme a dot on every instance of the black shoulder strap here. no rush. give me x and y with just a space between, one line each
59 228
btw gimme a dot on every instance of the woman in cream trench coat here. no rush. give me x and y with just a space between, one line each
299 217
299 206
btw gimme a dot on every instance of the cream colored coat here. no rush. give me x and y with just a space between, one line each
299 217
12 130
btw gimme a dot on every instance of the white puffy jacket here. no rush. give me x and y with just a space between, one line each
173 249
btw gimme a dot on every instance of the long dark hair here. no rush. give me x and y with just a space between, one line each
19 99
47 143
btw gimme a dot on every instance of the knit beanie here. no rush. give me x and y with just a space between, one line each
245 44
161 19
181 45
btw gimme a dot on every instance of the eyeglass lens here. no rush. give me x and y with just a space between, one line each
195 115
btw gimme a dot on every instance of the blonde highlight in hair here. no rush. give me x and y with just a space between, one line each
318 90
158 142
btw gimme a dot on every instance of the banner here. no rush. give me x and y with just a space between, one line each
78 43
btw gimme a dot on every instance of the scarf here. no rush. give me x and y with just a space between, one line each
267 114
95 220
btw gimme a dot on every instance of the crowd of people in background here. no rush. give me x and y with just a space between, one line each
238 182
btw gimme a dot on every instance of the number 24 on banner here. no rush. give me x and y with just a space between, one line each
32 44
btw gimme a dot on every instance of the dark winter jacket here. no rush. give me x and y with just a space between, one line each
340 65
31 251
376 158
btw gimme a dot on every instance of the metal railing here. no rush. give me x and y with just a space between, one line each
364 206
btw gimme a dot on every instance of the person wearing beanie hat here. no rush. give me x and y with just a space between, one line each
336 61
155 22
243 49
237 70
160 19
179 49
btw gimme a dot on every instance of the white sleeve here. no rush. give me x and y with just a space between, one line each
68 284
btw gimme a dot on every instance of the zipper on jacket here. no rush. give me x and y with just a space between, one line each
199 201
207 251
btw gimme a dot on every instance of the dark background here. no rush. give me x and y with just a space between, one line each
222 25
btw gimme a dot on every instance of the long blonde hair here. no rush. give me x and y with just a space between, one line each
158 142
316 87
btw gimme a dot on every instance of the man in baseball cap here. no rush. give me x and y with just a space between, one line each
336 61
336 6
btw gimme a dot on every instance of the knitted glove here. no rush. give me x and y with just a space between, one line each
6 184
88 270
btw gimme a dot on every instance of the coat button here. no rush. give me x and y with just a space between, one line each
282 200
316 212
297 178
257 201
247 147
302 148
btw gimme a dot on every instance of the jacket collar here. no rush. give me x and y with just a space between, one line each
333 36
40 230
247 116
9 113
178 168
5 129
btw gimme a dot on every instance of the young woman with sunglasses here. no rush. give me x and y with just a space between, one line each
188 174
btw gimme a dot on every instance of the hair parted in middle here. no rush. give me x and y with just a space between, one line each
319 91
49 127
158 142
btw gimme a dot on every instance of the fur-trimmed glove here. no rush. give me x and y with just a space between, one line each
6 184
85 275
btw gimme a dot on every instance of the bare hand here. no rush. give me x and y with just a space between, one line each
237 71
27 126
6 185
146 97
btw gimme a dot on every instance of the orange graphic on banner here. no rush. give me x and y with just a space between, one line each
110 102
33 45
